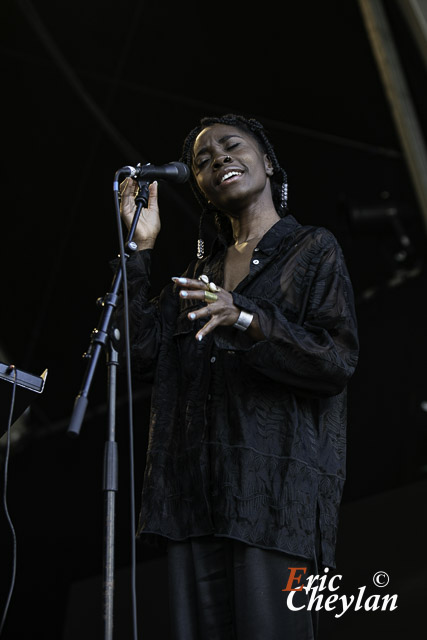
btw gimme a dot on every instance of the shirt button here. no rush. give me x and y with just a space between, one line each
255 261
213 359
256 249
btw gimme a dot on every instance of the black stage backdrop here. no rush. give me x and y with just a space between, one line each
91 87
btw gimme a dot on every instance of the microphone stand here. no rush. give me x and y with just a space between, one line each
106 337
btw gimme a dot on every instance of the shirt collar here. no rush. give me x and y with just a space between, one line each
283 228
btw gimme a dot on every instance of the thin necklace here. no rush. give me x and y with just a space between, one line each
237 244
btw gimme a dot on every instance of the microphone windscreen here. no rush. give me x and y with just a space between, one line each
183 172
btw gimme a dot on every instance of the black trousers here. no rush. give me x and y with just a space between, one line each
223 589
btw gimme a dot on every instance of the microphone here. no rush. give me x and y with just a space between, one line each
173 172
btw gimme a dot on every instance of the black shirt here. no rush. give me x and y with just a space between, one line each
247 439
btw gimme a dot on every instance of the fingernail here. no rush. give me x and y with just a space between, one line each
184 294
200 337
192 316
180 280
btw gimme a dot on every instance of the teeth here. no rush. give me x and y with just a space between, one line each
230 174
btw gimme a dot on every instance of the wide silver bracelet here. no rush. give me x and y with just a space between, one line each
243 321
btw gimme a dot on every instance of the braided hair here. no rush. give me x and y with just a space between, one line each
279 180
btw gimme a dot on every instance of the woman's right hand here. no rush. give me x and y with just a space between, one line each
148 226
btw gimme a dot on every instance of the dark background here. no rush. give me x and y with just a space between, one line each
88 87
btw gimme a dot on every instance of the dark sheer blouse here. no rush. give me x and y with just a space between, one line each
247 439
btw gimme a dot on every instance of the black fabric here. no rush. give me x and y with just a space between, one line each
222 589
247 439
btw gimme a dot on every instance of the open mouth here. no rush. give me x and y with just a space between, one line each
231 176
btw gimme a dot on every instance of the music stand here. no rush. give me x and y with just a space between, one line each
26 385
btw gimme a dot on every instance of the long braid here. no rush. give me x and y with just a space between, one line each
279 180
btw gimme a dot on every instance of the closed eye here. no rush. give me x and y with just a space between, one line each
200 163
229 147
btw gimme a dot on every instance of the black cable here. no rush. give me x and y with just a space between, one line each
130 410
6 510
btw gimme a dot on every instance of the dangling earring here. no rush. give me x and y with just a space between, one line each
200 241
284 193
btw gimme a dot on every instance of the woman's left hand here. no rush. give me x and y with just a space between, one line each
221 311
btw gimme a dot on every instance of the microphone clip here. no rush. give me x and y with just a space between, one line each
142 195
139 170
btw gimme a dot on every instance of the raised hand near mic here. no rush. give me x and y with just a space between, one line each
148 226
